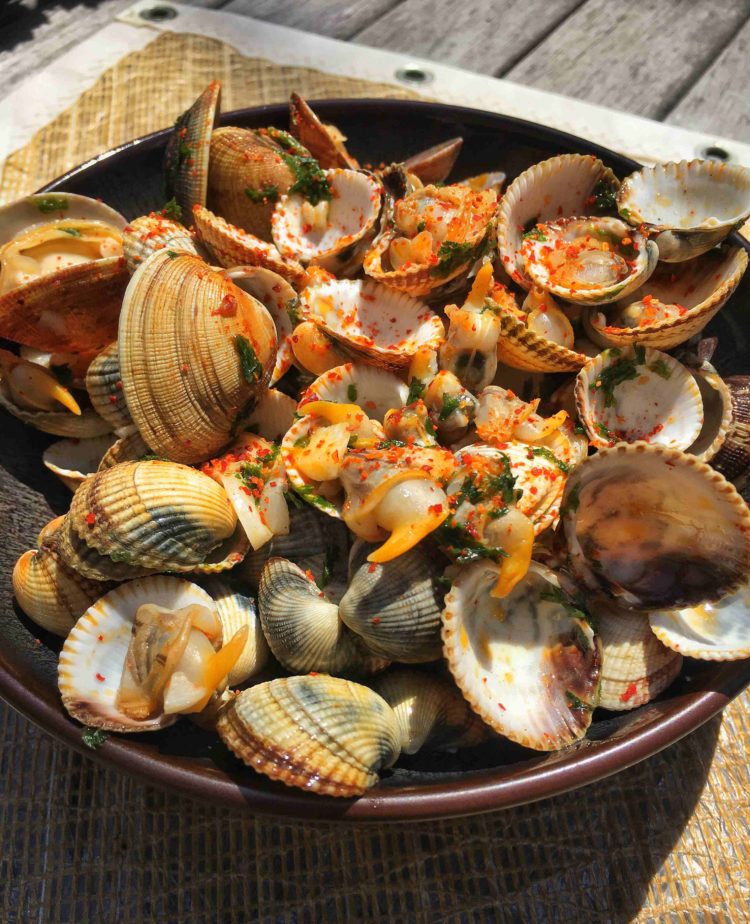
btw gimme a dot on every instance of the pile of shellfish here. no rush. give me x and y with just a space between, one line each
365 462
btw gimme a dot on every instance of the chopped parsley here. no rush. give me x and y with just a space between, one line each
172 210
572 502
624 370
462 547
504 484
577 703
452 256
421 226
625 213
451 403
94 738
293 310
661 368
536 234
309 180
302 441
63 373
555 595
266 194
604 196
416 390
551 457
429 427
391 444
469 491
251 366
172 254
351 392
579 430
328 562
307 492
178 153
604 430
47 204
73 232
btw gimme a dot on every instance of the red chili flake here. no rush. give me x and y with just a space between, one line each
100 638
118 385
184 368
113 399
372 567
502 707
90 519
100 678
629 693
375 620
435 508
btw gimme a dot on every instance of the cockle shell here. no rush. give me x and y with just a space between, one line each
636 667
655 399
324 142
718 414
130 448
186 157
338 242
195 351
272 416
733 459
93 656
522 348
431 712
395 607
321 734
717 631
632 535
149 233
676 303
529 664
105 390
236 610
373 322
74 460
693 205
434 164
556 188
375 390
77 556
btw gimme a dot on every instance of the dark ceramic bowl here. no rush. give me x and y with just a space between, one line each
425 786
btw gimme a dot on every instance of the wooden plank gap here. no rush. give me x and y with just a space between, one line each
527 49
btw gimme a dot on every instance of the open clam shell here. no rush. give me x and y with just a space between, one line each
528 664
692 204
636 666
676 303
655 528
334 232
376 391
571 184
324 142
639 394
93 656
86 425
522 348
236 610
74 460
186 156
321 734
588 261
716 396
717 631
373 322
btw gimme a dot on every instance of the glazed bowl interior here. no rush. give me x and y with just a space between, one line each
426 785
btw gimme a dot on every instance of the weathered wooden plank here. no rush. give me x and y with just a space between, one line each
480 35
638 56
718 102
336 18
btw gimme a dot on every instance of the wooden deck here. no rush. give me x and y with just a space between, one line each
684 62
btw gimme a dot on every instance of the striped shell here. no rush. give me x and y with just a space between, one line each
187 153
528 664
130 448
522 348
236 610
655 528
733 459
324 142
375 390
321 734
104 387
74 460
150 233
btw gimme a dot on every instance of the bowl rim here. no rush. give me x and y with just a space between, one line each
479 791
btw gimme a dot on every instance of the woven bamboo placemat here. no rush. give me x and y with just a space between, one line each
662 841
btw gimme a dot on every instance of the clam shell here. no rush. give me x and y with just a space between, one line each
555 188
186 157
326 146
130 448
76 555
690 294
234 247
694 204
74 460
733 459
660 403
373 322
375 390
93 656
236 610
50 594
717 414
87 425
430 710
195 352
710 631
302 626
528 664
145 235
636 667
338 245
395 607
434 164
272 416
309 491
154 514
655 528
521 348
321 734
104 386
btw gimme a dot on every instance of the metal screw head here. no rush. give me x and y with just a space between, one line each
414 74
160 13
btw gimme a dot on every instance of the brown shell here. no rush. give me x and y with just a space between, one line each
128 448
733 459
149 233
316 137
521 348
187 153
104 385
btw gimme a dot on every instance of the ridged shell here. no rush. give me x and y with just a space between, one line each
710 631
733 459
195 352
153 514
375 390
241 160
187 152
521 348
432 713
694 204
395 607
527 664
146 235
59 423
74 460
130 448
235 610
76 555
555 188
302 626
434 164
659 403
325 145
702 286
655 528
104 386
318 733
373 322
716 396
234 247
50 594
93 656
636 667
308 490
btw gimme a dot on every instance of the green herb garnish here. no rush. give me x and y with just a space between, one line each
302 441
252 370
94 738
172 254
577 703
572 502
604 196
47 204
421 226
391 444
451 256
267 194
463 547
307 492
351 392
604 430
416 390
536 234
551 457
661 368
293 310
309 180
504 484
73 232
172 210
328 563
624 370
451 403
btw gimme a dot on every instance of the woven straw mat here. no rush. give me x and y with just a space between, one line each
663 841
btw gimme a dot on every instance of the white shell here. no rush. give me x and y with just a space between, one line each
375 390
74 460
236 610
